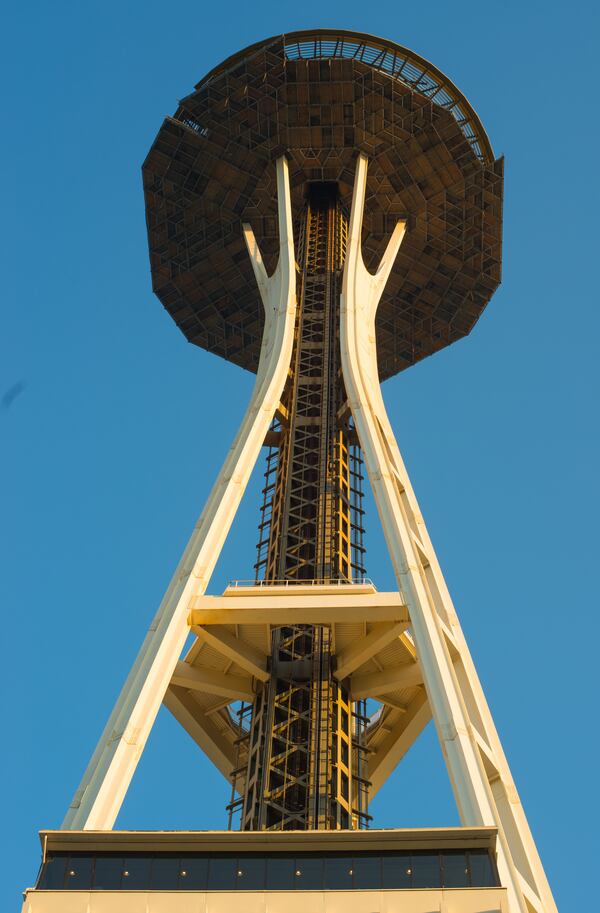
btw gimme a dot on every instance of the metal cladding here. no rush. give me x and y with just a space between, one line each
320 98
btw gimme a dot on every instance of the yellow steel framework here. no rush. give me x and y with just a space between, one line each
304 737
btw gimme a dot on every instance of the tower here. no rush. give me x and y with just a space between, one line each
323 210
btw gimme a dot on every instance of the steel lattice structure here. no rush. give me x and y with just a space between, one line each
305 743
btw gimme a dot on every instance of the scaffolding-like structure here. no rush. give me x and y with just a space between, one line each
311 517
304 737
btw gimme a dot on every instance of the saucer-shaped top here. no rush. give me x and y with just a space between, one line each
320 98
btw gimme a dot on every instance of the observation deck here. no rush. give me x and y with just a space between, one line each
322 97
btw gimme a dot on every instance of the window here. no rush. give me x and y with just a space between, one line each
426 870
108 872
367 872
271 871
397 870
483 870
78 875
165 873
222 873
193 873
52 876
308 874
280 873
455 870
250 874
338 873
79 872
136 872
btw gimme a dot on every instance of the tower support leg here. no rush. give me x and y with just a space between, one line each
480 777
99 797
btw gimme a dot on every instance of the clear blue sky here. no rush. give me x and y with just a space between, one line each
109 447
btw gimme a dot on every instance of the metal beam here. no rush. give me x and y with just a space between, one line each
392 702
199 679
397 742
370 684
363 648
98 799
240 652
455 704
201 728
323 609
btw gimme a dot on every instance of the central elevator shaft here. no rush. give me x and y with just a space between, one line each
305 738
310 529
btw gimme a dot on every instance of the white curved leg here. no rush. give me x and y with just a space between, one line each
104 785
484 791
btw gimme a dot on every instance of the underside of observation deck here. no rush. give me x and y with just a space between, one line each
320 98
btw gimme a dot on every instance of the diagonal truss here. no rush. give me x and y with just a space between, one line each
105 782
483 787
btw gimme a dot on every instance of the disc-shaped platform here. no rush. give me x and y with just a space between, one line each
373 652
320 98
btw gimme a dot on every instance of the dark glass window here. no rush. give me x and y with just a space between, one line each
338 873
280 873
367 872
136 873
107 873
165 873
273 871
483 872
222 873
250 875
308 874
79 873
455 871
193 873
52 876
426 870
397 870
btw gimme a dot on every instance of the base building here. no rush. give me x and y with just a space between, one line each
419 871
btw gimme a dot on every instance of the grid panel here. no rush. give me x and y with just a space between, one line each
211 167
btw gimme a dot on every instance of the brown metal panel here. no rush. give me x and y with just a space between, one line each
210 168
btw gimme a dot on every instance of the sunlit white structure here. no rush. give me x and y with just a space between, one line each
302 650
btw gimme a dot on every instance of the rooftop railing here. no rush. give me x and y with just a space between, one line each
316 581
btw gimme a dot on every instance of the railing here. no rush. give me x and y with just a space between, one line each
396 61
399 63
317 581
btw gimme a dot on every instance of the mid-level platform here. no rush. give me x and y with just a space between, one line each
433 870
